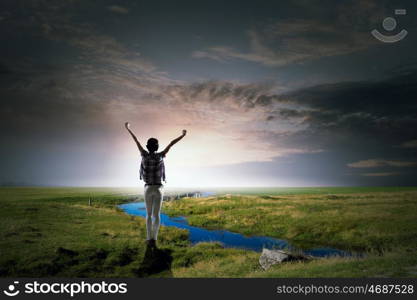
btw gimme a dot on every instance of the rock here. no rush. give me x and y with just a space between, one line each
272 257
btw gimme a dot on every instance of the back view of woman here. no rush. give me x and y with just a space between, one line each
152 172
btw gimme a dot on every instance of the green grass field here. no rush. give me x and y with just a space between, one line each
54 232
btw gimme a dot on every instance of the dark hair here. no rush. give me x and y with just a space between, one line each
152 145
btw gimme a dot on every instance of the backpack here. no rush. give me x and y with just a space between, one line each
152 166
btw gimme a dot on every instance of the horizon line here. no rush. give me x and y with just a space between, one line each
205 187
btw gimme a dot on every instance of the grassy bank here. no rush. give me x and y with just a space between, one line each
372 221
54 232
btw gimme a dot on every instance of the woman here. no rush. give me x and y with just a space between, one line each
152 171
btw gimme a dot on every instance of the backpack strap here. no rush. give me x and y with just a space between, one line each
163 171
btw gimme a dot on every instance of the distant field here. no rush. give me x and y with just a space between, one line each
306 190
53 192
54 232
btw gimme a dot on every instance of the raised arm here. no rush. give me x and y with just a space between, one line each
165 151
127 126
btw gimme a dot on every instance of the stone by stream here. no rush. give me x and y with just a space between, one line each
273 257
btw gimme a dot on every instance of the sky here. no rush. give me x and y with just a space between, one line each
272 93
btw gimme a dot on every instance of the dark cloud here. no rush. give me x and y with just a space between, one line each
292 113
244 96
379 110
376 163
409 144
294 39
381 174
118 9
4 70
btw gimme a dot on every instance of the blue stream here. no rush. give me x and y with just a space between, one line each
227 238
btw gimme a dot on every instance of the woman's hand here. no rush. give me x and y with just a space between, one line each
127 125
184 132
